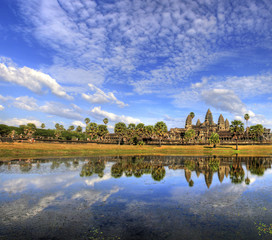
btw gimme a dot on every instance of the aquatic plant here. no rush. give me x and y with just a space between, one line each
264 228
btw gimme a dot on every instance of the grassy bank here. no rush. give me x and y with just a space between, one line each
24 150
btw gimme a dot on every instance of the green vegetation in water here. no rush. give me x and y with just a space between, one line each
96 234
264 229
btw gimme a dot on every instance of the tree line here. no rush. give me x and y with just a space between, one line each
93 131
132 133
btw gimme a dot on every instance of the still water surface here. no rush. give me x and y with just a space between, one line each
151 197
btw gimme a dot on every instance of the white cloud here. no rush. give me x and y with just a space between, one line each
32 79
100 114
78 76
4 99
225 100
116 39
1 107
60 110
26 103
110 127
20 121
55 108
101 97
79 123
244 86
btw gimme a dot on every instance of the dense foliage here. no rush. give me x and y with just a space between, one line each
214 139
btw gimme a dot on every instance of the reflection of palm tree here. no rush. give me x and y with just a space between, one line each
93 166
25 167
117 170
247 181
257 167
191 183
55 164
158 173
86 170
237 172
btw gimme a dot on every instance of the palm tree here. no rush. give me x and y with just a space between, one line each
256 131
246 117
160 129
237 128
86 120
57 125
92 129
120 129
214 139
105 121
71 128
42 125
131 131
149 131
102 130
192 114
79 129
140 129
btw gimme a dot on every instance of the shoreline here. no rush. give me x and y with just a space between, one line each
28 150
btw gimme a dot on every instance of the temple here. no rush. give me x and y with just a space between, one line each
203 130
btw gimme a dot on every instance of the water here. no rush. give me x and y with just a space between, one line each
151 197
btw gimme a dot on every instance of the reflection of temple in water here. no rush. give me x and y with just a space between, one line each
156 166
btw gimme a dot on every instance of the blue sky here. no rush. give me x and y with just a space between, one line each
134 61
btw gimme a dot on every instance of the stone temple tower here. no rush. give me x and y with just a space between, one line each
209 118
227 126
221 123
188 123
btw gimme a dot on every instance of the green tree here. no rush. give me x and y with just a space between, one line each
102 130
92 129
121 130
246 117
214 139
149 131
87 120
140 129
79 129
189 135
256 131
42 125
236 128
160 129
105 121
4 130
71 128
29 130
57 125
61 128
192 114
131 132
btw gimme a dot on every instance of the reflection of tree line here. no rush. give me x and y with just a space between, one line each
93 167
155 165
135 166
